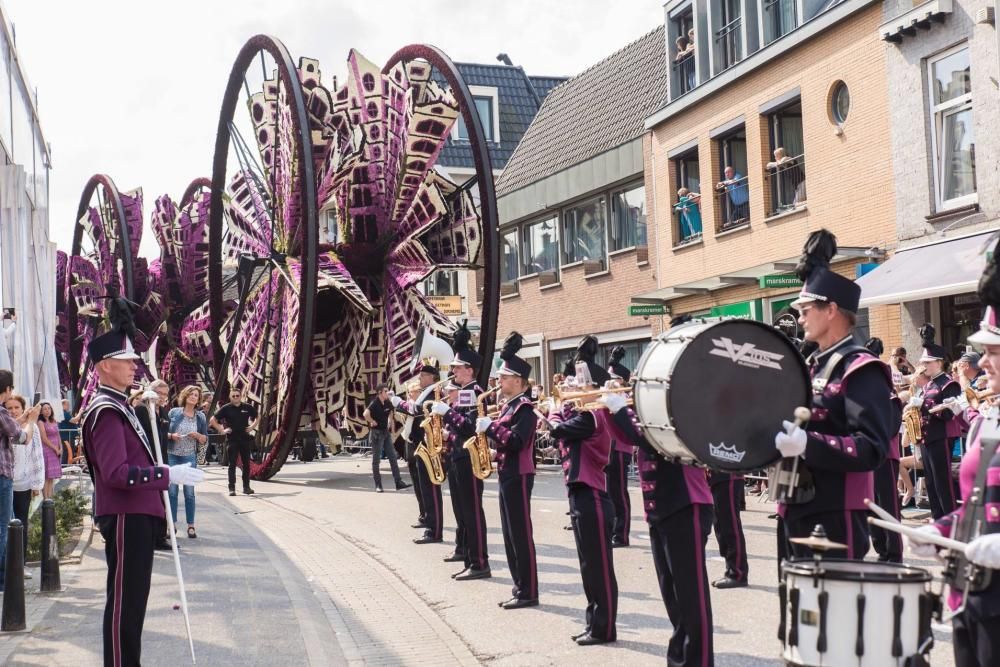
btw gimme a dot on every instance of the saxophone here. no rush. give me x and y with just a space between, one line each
431 449
911 419
478 445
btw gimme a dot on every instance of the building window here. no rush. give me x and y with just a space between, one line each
728 36
330 232
953 141
840 103
484 107
541 249
732 191
442 283
780 18
687 205
628 218
510 260
584 233
683 77
787 172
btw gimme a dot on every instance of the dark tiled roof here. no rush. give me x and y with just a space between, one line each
599 109
519 97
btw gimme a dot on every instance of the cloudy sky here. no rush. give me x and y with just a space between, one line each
132 89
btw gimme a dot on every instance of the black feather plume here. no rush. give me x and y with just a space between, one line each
927 334
587 349
875 346
121 316
989 283
462 340
511 345
617 354
819 249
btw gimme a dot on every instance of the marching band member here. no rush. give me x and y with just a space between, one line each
585 446
678 507
728 499
429 494
852 415
888 544
621 457
976 630
461 549
513 435
940 428
464 486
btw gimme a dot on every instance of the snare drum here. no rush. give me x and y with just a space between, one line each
716 392
836 613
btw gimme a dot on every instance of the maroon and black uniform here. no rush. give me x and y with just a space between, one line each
728 496
585 446
428 493
678 506
466 488
889 544
940 430
513 436
622 452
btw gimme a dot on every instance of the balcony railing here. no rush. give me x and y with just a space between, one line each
732 204
787 184
684 74
780 18
729 44
687 222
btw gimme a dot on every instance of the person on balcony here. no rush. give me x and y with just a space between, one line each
684 60
791 180
734 185
687 208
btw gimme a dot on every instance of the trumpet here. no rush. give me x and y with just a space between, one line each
975 398
585 400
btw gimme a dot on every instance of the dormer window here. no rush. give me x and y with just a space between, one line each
486 102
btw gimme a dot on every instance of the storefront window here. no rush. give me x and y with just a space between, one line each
961 315
633 351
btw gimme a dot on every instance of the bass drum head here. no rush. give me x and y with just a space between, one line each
731 388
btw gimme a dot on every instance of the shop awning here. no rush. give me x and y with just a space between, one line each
747 276
927 271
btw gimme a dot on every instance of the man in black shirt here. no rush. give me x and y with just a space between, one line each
162 390
237 417
377 415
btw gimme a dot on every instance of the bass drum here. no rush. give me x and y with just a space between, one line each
715 393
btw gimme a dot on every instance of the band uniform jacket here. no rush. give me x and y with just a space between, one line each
415 409
941 425
121 459
849 430
667 486
513 433
584 445
462 425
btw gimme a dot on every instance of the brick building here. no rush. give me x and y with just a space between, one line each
572 205
942 69
779 119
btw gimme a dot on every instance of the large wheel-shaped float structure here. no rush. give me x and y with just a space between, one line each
315 322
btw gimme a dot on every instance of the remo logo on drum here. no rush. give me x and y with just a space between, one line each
746 354
724 453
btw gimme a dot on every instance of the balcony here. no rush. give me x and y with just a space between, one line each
780 18
786 185
684 75
729 44
687 221
732 204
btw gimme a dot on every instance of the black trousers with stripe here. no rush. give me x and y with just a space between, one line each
888 544
456 509
848 527
616 473
470 493
592 516
432 509
936 457
728 499
976 641
518 535
678 543
413 464
129 540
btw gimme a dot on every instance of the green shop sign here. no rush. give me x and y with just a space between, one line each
747 310
780 280
646 309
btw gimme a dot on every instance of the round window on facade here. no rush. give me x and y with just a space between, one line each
840 102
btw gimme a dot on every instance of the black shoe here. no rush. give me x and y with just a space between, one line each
474 573
163 544
427 539
459 573
247 491
729 582
232 491
589 640
402 485
519 604
418 524
580 634
616 544
506 602
455 558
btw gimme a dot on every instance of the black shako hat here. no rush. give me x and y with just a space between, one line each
586 352
615 366
116 343
513 364
462 345
931 350
819 282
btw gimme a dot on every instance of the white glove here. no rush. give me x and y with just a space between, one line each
396 401
614 402
985 551
150 395
920 548
440 408
953 405
482 424
793 444
915 402
185 475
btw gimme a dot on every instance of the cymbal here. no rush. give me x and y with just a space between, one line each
817 543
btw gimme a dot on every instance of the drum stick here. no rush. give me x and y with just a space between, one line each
802 416
885 516
917 536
